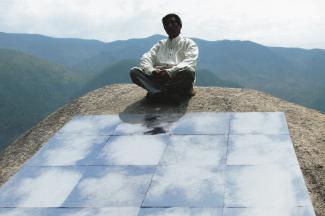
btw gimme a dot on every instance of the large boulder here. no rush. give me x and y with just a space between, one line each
307 126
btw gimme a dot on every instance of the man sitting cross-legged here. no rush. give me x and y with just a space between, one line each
167 71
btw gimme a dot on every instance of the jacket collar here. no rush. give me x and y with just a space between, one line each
175 40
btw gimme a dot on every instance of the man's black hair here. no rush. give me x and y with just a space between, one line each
178 19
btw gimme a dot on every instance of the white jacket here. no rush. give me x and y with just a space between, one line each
172 55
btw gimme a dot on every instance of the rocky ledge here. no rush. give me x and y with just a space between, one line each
307 126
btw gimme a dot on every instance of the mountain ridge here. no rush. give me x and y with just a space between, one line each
30 88
296 75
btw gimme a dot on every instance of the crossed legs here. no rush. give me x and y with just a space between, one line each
180 84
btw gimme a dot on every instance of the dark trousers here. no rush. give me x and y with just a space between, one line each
181 83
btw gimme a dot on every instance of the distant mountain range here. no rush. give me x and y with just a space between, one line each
118 73
30 88
38 73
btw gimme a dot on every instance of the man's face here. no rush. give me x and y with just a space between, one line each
172 27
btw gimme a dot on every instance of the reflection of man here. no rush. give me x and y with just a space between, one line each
167 71
150 123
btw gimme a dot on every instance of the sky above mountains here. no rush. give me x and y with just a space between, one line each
287 23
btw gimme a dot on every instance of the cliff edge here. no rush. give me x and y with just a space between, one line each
307 126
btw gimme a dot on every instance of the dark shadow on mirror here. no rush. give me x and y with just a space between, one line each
155 117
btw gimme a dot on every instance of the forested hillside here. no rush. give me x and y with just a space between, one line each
30 88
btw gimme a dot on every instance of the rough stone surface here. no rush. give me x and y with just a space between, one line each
307 126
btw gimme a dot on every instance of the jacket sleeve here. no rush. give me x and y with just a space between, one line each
148 60
189 62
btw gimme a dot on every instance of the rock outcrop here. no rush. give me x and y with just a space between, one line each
307 126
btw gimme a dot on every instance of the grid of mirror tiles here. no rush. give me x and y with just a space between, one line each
230 164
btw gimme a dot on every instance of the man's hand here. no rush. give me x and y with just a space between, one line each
160 73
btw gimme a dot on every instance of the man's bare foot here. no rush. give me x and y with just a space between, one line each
192 92
189 93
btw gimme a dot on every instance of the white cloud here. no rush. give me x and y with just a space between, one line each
277 23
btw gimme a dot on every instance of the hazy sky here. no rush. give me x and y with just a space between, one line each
288 23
